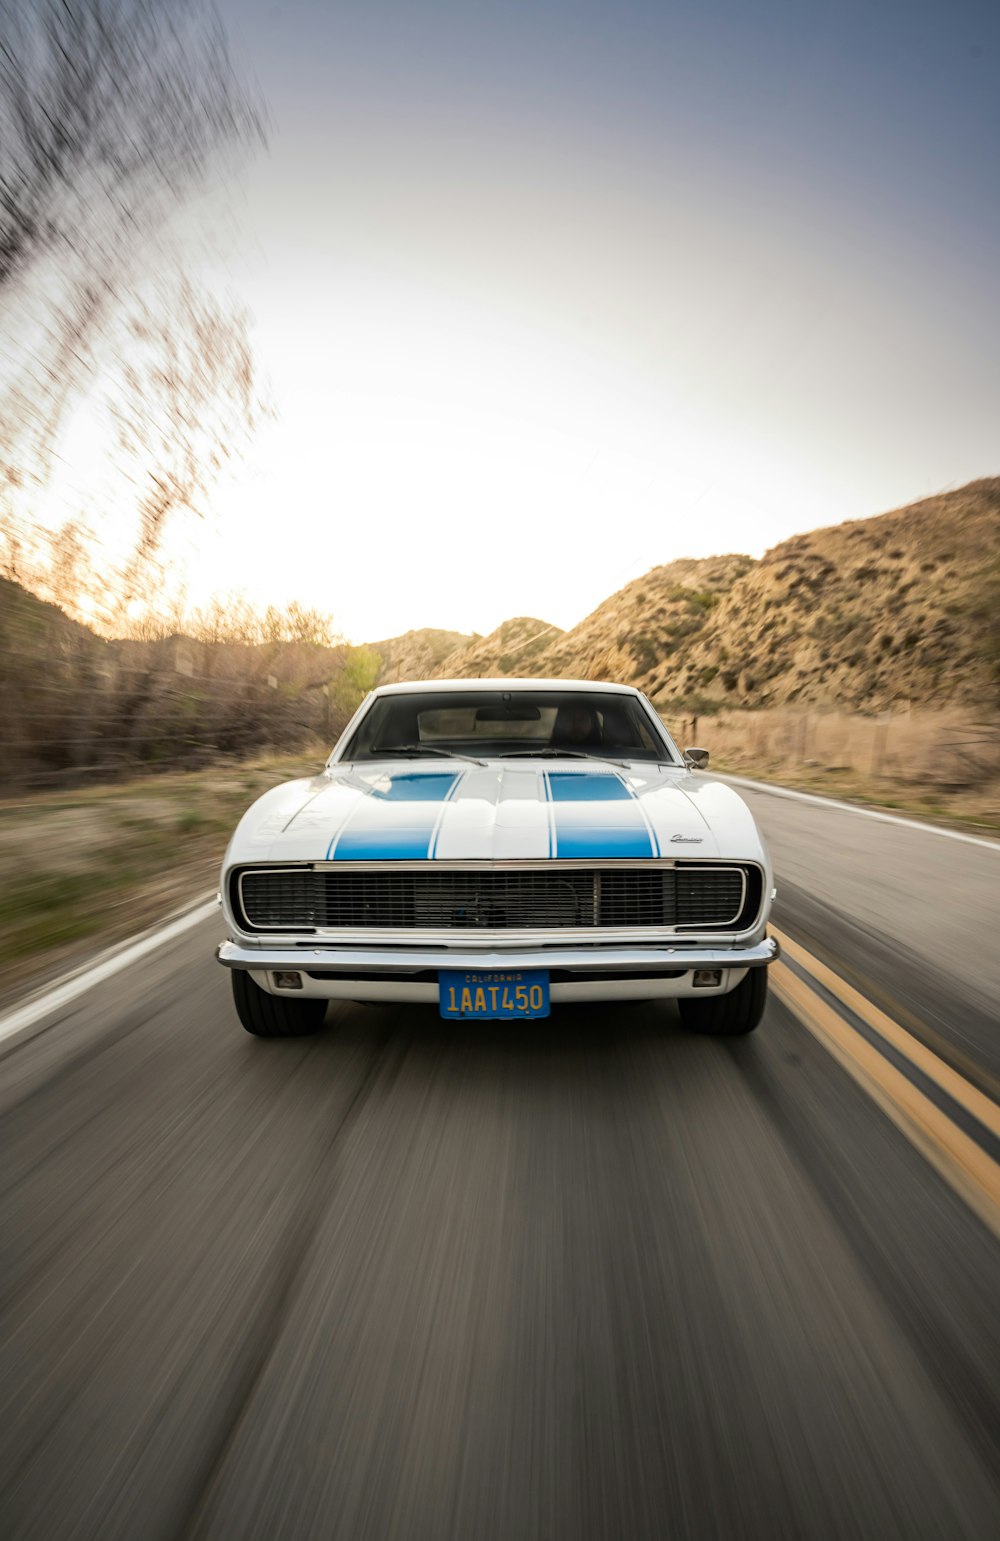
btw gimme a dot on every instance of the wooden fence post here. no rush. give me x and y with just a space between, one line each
879 745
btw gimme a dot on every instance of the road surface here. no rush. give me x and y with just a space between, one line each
589 1278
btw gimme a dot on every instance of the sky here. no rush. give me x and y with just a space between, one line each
549 294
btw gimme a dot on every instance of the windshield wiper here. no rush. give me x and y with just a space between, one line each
447 754
558 754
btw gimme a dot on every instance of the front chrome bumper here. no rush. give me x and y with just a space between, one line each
577 973
411 960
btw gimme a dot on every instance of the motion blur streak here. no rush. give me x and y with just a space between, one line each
959 1160
55 997
583 1278
956 1087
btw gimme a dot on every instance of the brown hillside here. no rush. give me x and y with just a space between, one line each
651 619
29 625
513 649
79 707
416 655
900 607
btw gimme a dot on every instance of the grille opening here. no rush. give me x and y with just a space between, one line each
694 896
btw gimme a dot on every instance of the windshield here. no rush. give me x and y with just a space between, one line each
501 723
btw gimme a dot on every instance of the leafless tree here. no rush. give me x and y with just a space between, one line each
110 111
185 403
108 108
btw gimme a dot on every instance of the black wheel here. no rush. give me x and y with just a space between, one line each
273 1016
728 1015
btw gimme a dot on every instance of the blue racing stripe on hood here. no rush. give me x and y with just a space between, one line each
617 829
587 787
396 819
416 787
601 842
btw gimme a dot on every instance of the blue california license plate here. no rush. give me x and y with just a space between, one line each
486 993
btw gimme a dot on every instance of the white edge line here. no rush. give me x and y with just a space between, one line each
55 997
865 813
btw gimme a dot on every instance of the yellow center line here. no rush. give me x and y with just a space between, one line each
969 1097
962 1163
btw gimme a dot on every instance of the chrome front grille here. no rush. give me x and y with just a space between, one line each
692 896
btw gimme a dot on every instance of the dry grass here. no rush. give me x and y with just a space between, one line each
88 867
942 764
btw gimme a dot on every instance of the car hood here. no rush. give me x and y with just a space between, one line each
536 810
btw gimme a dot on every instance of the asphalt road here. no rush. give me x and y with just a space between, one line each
590 1278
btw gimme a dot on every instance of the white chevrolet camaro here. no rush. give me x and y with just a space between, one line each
497 847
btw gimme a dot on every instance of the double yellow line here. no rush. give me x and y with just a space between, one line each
954 1154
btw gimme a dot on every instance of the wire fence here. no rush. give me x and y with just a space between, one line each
76 708
949 752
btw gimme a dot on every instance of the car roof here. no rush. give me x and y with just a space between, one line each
406 687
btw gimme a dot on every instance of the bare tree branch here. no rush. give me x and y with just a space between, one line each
110 111
115 104
186 404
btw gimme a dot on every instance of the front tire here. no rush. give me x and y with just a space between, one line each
273 1016
729 1015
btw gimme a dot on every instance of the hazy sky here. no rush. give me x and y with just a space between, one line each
551 293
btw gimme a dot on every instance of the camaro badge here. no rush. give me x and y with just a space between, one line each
685 840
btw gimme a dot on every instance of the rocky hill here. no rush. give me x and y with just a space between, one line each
514 648
901 607
651 619
417 655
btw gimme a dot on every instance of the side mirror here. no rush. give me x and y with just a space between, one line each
697 759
